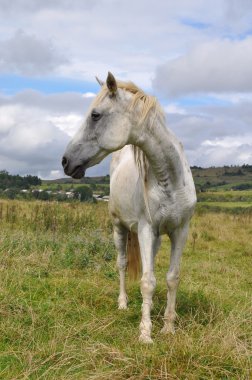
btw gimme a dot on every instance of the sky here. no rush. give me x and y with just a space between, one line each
195 56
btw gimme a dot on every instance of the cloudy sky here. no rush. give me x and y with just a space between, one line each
194 55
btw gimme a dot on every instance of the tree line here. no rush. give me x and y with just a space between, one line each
17 182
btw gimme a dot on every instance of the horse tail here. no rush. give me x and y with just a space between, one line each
133 256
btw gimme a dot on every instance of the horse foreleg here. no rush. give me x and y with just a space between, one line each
148 245
178 240
120 239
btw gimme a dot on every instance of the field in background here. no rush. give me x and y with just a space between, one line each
223 184
206 179
59 289
223 178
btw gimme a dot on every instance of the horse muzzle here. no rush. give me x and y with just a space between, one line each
76 172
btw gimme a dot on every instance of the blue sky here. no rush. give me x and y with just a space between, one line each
12 83
195 56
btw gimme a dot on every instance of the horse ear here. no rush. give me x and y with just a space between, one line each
101 83
111 83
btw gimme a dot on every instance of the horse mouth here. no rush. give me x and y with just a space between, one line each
78 172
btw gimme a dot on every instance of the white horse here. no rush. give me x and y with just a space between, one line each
151 191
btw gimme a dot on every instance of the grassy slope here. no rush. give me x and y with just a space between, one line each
232 205
225 196
59 287
232 176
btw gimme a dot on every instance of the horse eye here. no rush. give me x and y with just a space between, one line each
95 115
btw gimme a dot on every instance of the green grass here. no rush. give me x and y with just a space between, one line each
226 196
232 185
228 204
59 289
62 186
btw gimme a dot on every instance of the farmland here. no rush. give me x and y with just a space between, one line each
59 288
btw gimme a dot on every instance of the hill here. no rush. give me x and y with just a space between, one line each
213 178
223 178
85 180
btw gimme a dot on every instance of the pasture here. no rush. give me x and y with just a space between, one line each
59 289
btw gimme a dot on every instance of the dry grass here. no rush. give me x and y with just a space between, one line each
58 299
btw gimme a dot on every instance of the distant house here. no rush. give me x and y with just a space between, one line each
105 198
99 197
70 194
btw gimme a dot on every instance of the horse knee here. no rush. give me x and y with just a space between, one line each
172 279
148 284
121 262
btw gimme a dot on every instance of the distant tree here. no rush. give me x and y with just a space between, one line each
84 193
43 196
35 194
196 167
243 186
61 197
16 181
93 186
11 193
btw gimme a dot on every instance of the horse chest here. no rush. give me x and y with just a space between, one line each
167 208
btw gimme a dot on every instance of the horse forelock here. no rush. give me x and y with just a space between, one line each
140 101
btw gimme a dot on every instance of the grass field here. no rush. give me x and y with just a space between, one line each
59 288
223 178
230 204
226 196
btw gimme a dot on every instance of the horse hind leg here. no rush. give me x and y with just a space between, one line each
120 239
178 240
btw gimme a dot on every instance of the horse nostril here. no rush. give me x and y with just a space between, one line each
64 162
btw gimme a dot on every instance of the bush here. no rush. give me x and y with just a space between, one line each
84 193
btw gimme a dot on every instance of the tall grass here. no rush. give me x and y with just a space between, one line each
58 299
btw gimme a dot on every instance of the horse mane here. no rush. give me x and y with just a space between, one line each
140 100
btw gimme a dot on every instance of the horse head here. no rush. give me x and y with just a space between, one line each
106 128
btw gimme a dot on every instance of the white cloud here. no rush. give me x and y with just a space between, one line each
233 98
215 135
38 6
129 38
60 103
89 95
219 156
229 141
89 37
67 123
53 174
216 66
34 131
26 54
174 108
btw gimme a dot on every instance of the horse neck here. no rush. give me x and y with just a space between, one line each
162 151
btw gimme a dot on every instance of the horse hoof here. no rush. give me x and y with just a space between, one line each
122 306
168 329
122 302
145 339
